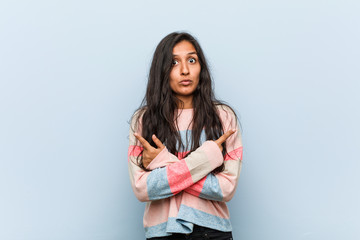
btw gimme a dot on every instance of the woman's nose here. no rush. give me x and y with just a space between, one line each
184 69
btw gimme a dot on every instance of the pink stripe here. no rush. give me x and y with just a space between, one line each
235 154
134 150
181 155
179 176
197 187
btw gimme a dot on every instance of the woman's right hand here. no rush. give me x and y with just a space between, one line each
149 152
223 138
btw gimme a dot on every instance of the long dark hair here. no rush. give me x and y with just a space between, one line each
159 107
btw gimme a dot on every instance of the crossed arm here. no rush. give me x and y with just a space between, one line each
149 152
170 175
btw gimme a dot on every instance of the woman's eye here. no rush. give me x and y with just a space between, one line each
192 60
175 62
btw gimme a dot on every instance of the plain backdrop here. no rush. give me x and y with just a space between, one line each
73 72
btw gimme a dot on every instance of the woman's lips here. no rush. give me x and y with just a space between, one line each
185 82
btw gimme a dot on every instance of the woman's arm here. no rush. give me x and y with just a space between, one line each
169 180
216 187
221 186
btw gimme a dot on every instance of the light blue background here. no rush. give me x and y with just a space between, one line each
73 72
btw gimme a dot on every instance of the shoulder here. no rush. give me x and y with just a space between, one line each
224 107
230 120
226 112
136 119
138 114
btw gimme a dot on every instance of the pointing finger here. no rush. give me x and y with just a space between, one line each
225 136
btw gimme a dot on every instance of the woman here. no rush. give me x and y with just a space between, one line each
185 150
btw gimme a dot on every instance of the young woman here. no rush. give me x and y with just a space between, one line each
185 150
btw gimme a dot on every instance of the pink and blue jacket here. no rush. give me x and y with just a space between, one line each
182 191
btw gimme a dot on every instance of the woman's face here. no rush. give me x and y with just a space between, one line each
185 72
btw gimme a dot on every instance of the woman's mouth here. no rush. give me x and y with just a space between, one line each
185 82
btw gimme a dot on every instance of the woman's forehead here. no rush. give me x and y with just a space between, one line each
184 48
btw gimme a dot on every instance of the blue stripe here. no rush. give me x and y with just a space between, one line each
204 219
179 226
186 139
158 185
211 189
156 231
184 223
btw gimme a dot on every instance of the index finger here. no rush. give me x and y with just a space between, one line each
225 136
143 141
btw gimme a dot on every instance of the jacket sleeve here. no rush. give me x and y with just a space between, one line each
164 182
221 186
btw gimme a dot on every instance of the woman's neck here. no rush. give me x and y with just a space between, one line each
186 102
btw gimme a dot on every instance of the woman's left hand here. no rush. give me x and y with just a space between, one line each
223 138
149 152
